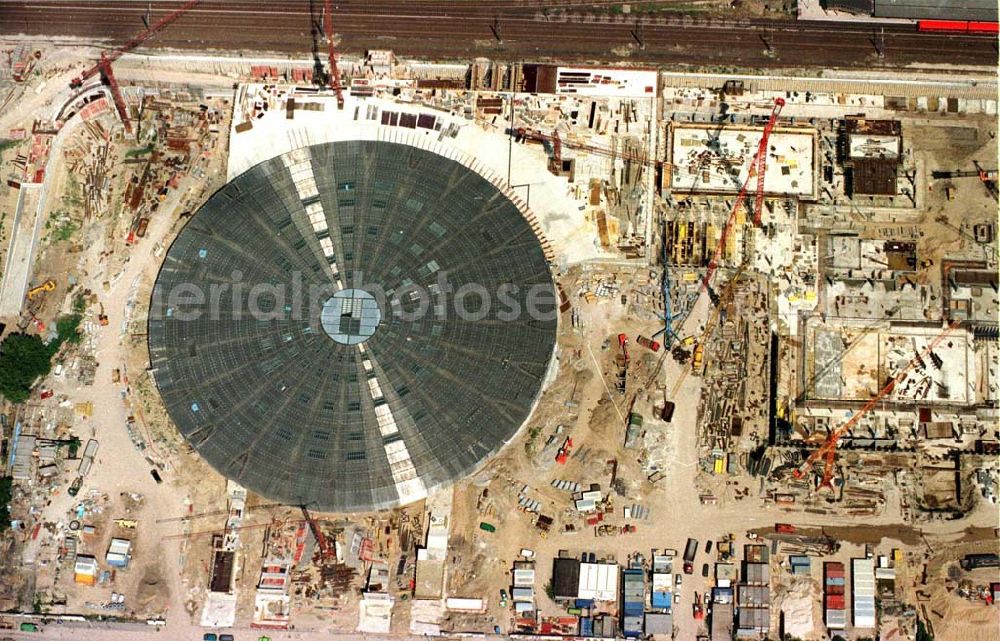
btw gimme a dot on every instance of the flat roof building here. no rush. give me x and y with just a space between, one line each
598 581
565 578
863 592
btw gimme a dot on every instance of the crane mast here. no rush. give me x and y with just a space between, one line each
103 64
759 165
334 71
827 451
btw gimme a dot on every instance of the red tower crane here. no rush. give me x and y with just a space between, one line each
103 65
828 450
334 72
758 165
762 158
325 550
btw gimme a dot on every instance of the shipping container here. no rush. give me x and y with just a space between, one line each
835 602
836 619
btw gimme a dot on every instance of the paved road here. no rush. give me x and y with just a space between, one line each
460 29
20 254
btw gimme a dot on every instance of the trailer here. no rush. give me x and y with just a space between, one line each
690 552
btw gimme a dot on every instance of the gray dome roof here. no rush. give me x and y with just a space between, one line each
302 344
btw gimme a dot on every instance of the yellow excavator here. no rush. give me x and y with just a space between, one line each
47 286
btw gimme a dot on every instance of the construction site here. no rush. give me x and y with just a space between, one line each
342 345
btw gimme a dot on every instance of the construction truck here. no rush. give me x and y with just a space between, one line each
699 355
690 551
648 343
47 286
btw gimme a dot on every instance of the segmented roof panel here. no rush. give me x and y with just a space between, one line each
305 392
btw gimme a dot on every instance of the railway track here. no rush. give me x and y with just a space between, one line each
558 30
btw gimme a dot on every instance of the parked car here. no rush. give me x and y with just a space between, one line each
226 637
708 546
704 569
679 578
158 479
209 636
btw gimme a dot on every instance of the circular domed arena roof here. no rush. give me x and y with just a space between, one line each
350 325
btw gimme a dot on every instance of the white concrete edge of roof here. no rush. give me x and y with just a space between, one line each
367 130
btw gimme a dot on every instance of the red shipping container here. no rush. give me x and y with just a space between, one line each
835 590
835 602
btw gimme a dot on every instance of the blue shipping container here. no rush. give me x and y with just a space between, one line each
634 608
632 626
661 599
586 627
583 603
835 580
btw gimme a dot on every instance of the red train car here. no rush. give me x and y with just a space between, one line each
983 27
956 26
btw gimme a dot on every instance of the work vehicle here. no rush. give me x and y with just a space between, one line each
708 546
209 636
649 344
668 411
47 286
699 355
487 527
704 570
690 552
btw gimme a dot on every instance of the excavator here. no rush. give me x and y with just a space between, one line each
47 286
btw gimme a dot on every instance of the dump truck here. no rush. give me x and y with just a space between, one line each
699 355
648 343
